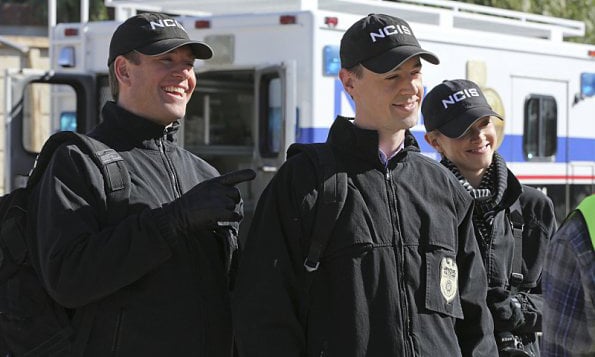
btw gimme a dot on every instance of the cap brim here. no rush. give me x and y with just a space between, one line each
457 128
396 56
200 49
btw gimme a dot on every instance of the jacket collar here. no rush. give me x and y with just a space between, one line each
362 143
131 128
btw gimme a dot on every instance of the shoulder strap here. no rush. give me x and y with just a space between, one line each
587 209
331 197
107 160
117 188
517 222
110 163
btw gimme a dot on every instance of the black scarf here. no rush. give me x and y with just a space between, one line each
487 196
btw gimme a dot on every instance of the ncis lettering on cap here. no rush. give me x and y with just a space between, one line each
453 106
153 34
459 96
390 30
381 43
162 23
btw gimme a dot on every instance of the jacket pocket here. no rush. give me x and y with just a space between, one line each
442 282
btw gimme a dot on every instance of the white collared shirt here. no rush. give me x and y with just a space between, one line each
384 159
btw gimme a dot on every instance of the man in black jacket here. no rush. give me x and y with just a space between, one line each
156 277
401 274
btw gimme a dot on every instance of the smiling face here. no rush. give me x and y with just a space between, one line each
472 152
157 87
387 102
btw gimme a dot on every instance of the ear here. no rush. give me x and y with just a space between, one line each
433 141
346 78
121 69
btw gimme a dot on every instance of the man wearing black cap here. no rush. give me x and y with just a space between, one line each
513 222
156 278
401 273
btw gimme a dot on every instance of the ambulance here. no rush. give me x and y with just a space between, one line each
274 81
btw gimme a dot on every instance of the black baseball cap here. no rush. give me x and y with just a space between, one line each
381 43
453 106
153 34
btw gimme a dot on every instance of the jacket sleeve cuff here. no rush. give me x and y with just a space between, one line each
164 224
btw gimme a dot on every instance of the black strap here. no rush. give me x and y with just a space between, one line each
117 188
110 163
517 223
116 178
332 193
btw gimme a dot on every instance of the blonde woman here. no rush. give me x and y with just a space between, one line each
462 127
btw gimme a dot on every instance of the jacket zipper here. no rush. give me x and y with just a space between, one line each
116 340
401 268
169 168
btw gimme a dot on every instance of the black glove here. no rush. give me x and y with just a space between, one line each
532 307
208 203
505 308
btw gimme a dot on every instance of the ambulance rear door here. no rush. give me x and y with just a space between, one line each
38 104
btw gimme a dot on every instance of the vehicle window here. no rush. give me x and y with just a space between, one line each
271 130
47 108
540 129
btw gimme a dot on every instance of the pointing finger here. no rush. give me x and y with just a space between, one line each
235 177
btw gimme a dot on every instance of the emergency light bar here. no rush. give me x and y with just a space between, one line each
71 31
287 20
331 21
202 24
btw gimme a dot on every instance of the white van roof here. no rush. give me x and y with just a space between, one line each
433 12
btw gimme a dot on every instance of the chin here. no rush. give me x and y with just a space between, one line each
408 122
175 113
486 163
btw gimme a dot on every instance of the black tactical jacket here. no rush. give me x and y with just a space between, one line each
402 273
155 293
498 251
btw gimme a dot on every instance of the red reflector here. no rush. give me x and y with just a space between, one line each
71 32
202 24
331 21
287 20
591 53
